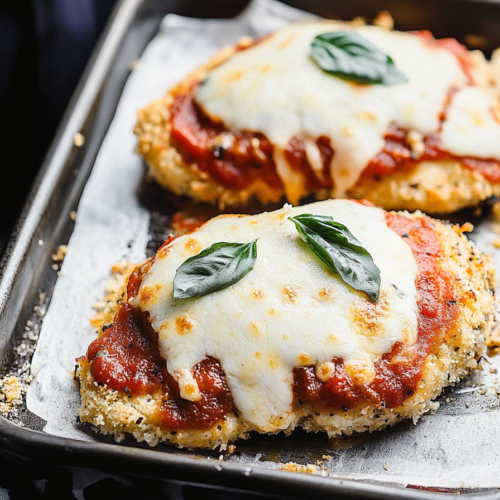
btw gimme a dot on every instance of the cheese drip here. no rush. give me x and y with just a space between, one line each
276 88
289 311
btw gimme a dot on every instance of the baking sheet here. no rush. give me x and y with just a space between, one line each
456 447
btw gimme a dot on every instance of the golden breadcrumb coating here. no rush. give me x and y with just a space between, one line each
117 413
437 187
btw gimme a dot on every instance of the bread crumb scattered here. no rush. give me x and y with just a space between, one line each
10 388
78 139
384 20
114 287
475 41
303 469
358 21
60 254
467 227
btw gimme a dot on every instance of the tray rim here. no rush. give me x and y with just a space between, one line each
32 444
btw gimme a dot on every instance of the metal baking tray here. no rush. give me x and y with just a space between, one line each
26 266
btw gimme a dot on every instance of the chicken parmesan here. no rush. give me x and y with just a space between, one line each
297 113
244 325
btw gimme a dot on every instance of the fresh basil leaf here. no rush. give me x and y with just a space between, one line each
213 269
346 54
340 251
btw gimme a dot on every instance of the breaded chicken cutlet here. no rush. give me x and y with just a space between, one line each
297 113
335 316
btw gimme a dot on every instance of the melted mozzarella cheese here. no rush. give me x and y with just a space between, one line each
289 311
276 88
471 128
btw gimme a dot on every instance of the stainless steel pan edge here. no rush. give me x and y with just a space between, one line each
55 192
119 459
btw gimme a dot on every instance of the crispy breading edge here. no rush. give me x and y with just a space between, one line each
438 187
116 413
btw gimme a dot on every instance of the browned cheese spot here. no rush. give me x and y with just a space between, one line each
347 131
257 354
258 294
289 39
165 325
233 76
184 324
367 317
371 116
273 363
325 371
405 356
326 293
344 172
193 246
496 111
149 294
255 329
360 371
304 358
164 252
189 389
291 292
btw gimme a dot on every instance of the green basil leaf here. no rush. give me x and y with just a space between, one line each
213 269
340 251
346 54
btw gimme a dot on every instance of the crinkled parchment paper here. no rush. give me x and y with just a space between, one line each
457 446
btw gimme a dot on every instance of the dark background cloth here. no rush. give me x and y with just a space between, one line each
44 46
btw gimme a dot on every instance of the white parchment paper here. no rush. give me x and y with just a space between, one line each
458 446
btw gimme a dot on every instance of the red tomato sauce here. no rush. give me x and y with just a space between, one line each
246 156
235 160
244 160
126 357
397 155
241 158
295 154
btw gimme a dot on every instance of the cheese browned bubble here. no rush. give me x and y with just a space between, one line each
274 87
289 311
